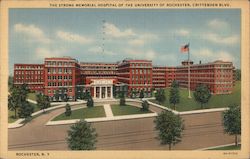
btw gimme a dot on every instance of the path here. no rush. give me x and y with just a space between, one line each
108 111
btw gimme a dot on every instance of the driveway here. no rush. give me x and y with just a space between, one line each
201 130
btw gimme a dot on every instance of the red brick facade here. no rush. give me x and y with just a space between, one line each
66 74
137 74
218 76
62 75
31 74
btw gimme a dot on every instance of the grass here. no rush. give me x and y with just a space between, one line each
32 96
216 101
127 110
83 113
232 147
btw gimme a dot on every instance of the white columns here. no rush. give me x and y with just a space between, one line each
94 92
111 91
106 92
100 92
100 89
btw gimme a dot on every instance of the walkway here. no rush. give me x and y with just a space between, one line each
108 111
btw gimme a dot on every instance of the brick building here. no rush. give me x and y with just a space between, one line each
61 75
99 78
65 75
217 75
136 74
31 74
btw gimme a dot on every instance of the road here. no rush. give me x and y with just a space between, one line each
201 130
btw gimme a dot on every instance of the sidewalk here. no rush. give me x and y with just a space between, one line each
212 147
108 111
123 117
20 123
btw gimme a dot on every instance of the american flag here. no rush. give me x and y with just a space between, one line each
185 48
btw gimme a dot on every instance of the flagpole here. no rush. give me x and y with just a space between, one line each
189 95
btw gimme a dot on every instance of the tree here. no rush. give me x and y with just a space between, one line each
81 136
160 96
232 121
13 100
141 94
10 81
202 94
56 95
25 110
145 105
174 96
238 74
122 99
17 98
43 102
90 102
67 110
23 92
65 97
133 94
170 127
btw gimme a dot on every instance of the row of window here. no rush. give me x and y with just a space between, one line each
59 63
28 67
59 70
141 82
26 81
28 72
141 64
59 77
28 77
98 67
59 83
99 72
144 71
60 91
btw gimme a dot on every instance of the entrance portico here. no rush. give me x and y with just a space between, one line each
103 88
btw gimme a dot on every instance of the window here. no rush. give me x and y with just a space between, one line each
65 70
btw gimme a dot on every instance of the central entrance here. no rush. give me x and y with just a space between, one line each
103 88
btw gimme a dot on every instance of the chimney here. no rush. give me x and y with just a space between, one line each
200 61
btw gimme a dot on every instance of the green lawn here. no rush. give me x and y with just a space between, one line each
216 101
232 147
32 96
83 113
127 110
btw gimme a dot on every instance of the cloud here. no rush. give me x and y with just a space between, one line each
43 52
182 32
226 40
72 37
99 50
217 24
33 32
149 54
113 31
136 42
141 39
210 55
